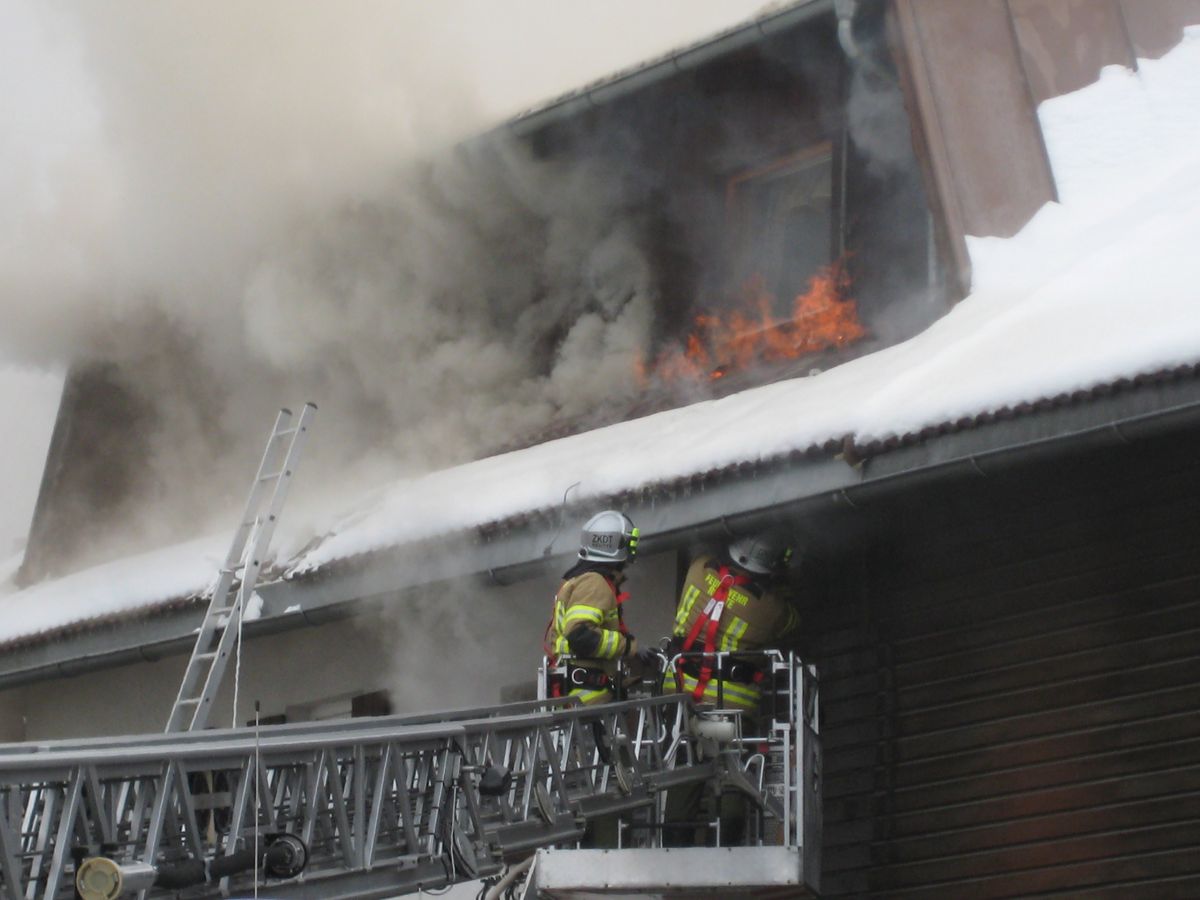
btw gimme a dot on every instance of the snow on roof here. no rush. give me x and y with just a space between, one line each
105 591
1097 288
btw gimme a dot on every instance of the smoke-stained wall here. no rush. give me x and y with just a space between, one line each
442 305
464 644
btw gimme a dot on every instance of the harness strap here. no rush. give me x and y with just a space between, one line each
709 621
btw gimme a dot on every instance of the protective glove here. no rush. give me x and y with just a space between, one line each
649 659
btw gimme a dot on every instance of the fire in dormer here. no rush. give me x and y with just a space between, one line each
753 336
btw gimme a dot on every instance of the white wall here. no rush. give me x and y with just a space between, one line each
457 647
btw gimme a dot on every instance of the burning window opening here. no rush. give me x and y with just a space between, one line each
823 318
782 232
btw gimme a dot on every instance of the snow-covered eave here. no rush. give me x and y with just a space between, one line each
671 515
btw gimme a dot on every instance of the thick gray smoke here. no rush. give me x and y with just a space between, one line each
265 203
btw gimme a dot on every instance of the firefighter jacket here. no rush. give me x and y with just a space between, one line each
755 616
587 624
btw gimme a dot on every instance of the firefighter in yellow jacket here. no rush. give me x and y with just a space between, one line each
733 604
588 622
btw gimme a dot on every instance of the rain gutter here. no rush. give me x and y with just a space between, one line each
679 61
796 489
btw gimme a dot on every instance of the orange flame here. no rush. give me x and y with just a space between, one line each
822 318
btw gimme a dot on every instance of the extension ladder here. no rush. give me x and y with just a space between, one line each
221 627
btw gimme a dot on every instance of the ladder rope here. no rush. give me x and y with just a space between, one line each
237 672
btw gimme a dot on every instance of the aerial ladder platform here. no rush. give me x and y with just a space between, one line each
548 798
379 807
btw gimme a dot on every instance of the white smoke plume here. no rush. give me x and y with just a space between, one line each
256 204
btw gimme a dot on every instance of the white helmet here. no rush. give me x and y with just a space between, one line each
762 553
608 536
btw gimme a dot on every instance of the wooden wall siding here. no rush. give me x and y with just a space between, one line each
973 104
973 74
1065 43
1155 26
1010 704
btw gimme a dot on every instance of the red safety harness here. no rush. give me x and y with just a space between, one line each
709 621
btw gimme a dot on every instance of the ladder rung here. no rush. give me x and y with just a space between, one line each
188 701
205 656
275 475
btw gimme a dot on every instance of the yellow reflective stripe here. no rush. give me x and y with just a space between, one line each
733 634
793 620
581 613
610 644
745 696
588 697
685 609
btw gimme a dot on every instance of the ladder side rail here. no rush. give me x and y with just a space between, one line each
243 800
29 799
158 813
97 810
407 807
536 755
258 490
180 710
11 866
382 784
341 816
66 828
141 792
45 825
191 712
317 802
359 787
421 774
184 812
303 782
120 804
281 481
810 763
466 828
442 777
252 561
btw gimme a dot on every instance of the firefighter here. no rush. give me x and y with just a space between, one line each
588 622
733 603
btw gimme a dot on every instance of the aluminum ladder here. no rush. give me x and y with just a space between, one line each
220 630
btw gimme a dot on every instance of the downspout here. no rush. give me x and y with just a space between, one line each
845 10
